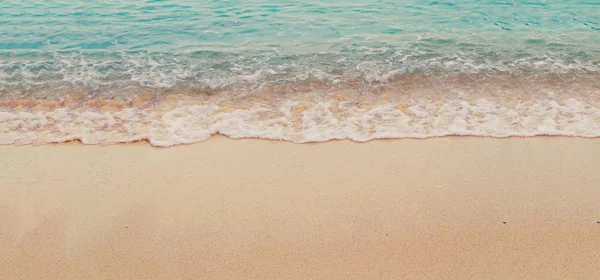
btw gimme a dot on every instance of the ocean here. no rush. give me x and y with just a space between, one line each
174 72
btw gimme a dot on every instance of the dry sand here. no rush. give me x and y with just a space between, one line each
445 208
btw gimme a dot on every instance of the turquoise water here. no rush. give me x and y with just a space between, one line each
216 43
113 50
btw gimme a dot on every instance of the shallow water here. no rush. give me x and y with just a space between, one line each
179 71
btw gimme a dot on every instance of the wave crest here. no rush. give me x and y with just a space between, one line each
413 107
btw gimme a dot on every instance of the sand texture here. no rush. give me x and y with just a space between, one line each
443 208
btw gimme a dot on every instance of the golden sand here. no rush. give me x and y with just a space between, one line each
444 208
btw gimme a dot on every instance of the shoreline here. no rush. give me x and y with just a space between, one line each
220 137
449 207
411 107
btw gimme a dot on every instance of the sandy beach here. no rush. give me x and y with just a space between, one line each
441 208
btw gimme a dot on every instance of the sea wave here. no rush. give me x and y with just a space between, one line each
44 74
413 107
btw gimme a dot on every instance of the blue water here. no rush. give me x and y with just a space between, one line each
213 44
174 72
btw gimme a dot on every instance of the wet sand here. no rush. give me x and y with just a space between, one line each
442 208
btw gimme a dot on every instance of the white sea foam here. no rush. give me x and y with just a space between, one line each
401 112
104 71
